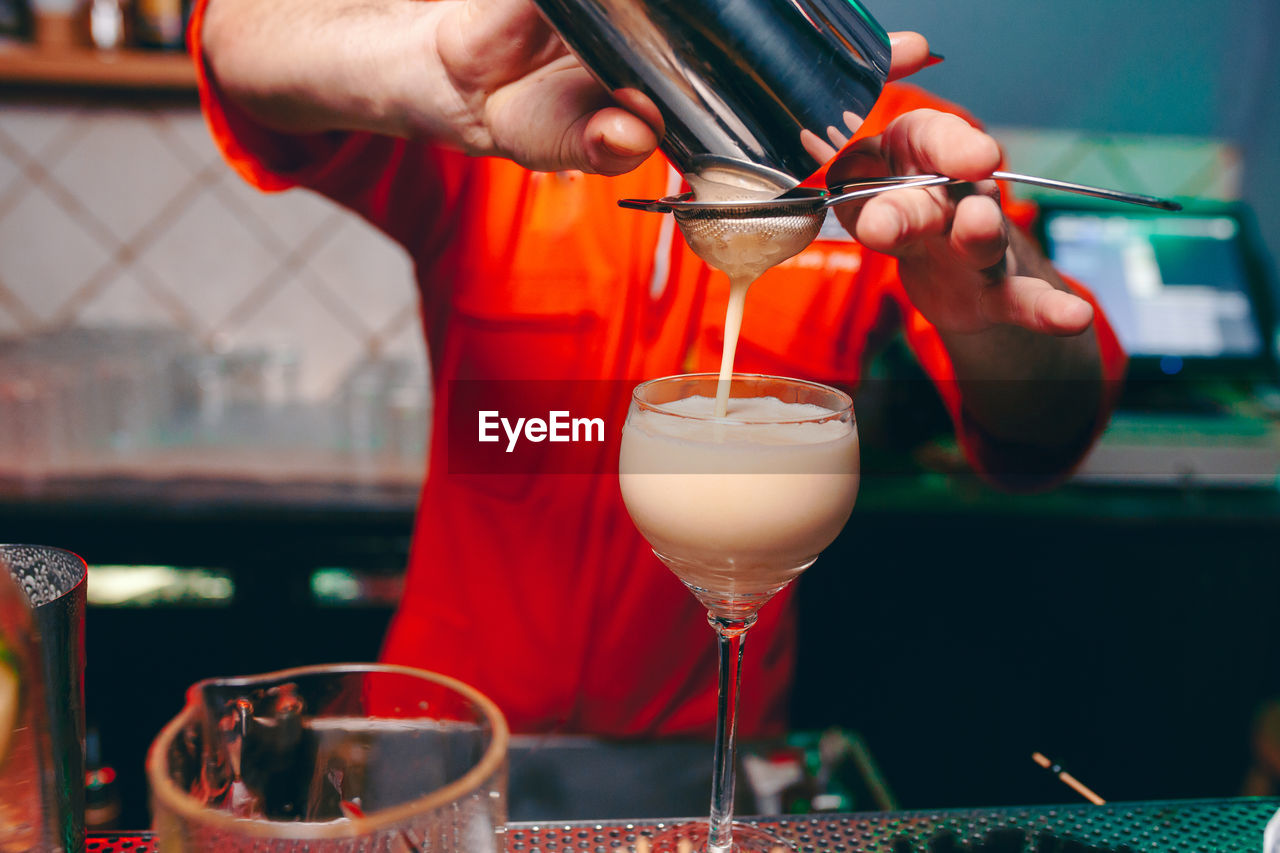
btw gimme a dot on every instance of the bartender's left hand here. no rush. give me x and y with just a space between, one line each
963 265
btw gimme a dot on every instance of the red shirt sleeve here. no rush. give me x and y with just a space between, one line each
404 188
1005 464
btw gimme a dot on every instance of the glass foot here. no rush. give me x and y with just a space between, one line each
692 838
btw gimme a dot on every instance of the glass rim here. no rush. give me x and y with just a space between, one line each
187 807
70 558
660 408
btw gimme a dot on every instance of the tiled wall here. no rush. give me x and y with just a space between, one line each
159 318
117 216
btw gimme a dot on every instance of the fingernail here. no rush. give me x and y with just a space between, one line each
619 150
934 59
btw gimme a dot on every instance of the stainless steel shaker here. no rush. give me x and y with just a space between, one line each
764 88
53 583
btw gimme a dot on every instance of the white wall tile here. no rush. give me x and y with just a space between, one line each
407 342
293 215
124 301
291 320
288 218
45 256
404 337
190 135
9 326
122 171
34 127
10 171
210 259
368 272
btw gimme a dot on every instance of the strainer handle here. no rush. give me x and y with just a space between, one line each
875 186
651 205
1097 192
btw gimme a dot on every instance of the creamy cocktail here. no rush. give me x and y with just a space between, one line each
738 506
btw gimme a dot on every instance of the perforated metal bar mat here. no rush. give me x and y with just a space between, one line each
1193 826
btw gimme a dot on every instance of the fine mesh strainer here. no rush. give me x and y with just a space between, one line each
792 220
768 231
759 233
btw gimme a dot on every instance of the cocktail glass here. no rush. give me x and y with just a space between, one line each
737 507
343 758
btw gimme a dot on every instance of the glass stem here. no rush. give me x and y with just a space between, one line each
730 634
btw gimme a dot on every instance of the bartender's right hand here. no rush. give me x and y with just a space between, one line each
487 76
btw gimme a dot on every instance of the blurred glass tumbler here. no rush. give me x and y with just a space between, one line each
764 88
347 757
53 583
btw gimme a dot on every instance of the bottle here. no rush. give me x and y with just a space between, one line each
159 24
101 793
15 20
107 24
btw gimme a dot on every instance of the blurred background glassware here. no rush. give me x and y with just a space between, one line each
45 649
159 24
14 20
759 89
57 24
108 24
147 402
29 430
344 757
383 414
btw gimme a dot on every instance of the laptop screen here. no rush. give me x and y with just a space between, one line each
1176 287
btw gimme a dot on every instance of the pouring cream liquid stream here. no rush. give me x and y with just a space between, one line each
741 252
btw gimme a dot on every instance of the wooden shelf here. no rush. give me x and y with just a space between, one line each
87 68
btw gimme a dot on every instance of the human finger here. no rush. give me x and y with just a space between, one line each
1036 305
910 54
978 232
560 118
642 107
930 141
891 222
614 141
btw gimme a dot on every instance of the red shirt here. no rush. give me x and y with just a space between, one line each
536 588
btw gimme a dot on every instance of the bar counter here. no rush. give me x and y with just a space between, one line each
1220 826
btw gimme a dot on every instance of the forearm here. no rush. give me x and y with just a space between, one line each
1025 387
315 65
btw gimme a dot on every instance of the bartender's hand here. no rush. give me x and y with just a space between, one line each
961 262
1010 324
488 76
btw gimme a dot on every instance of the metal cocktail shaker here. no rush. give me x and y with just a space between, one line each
50 765
764 88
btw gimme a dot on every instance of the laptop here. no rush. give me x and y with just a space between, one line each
1190 297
